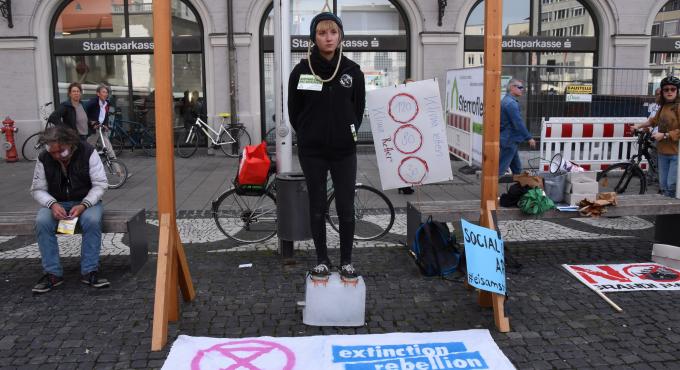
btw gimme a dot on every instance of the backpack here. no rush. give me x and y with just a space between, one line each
535 202
434 249
514 194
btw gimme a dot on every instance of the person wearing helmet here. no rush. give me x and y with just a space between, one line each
326 100
667 120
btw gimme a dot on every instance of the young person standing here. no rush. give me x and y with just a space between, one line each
667 120
71 113
326 100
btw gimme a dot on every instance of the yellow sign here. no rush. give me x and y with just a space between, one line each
579 89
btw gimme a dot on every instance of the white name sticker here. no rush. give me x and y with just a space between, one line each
309 82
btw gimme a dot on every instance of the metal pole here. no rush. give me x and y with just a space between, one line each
284 137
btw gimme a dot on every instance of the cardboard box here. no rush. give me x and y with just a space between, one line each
667 255
584 188
588 176
572 199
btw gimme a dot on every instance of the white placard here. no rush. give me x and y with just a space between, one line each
465 112
409 134
467 349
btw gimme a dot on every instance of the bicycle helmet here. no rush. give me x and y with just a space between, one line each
671 80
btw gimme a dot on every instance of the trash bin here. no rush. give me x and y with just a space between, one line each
292 207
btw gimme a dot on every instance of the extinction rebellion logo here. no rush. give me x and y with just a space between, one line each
423 356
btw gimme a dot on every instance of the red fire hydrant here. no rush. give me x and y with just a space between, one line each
8 129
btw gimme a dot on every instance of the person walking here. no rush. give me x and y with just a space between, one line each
667 120
68 182
97 110
326 100
513 129
71 113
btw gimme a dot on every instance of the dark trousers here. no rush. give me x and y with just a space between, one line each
343 173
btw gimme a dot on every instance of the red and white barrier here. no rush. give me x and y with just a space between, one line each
593 143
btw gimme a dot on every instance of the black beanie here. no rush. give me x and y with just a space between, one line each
326 16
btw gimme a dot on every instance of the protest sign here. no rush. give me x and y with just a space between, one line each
468 349
485 258
626 277
409 134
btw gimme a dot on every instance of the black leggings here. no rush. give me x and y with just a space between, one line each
343 173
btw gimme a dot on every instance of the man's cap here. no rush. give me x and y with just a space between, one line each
326 16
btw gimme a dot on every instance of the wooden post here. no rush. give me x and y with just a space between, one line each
172 269
493 16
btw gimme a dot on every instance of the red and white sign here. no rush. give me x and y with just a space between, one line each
409 134
627 277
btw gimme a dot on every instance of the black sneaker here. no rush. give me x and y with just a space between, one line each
348 273
47 282
92 280
320 272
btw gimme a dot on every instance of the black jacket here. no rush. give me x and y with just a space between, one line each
322 119
92 110
65 115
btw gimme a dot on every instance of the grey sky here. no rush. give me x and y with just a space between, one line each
514 11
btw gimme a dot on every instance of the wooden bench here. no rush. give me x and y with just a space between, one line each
453 211
131 222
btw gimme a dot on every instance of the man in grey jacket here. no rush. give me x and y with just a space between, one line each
68 182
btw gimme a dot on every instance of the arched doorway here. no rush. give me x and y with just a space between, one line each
377 37
665 45
550 44
111 42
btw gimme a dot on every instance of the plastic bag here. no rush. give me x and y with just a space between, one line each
254 167
535 202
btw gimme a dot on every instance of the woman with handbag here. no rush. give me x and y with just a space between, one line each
326 100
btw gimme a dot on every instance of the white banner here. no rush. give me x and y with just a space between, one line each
468 349
464 107
627 277
409 134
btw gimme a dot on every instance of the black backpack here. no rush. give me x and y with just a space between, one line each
434 249
514 194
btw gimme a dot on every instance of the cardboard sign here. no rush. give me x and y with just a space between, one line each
485 258
468 349
409 134
627 277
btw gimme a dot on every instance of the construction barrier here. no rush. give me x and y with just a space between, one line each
593 143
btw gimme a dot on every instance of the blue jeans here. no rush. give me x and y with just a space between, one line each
509 156
90 222
668 174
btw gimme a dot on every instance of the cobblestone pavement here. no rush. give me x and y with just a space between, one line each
556 321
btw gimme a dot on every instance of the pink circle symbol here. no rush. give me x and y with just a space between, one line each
250 354
408 139
412 170
403 108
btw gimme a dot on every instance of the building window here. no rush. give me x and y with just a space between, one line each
127 69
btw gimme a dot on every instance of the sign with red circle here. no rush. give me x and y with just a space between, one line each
403 108
412 170
408 139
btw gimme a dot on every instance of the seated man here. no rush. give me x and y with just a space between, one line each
68 181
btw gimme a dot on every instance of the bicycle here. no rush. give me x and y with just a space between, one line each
134 134
32 146
247 214
617 177
228 133
116 170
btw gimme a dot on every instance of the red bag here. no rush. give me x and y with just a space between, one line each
254 166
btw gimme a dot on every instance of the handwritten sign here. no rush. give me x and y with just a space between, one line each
409 134
485 258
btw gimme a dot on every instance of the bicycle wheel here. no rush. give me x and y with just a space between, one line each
148 143
116 172
373 213
234 148
118 143
621 177
187 142
245 218
32 147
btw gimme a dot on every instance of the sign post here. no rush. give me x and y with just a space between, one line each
172 269
493 16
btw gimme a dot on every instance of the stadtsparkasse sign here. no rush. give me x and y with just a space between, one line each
535 43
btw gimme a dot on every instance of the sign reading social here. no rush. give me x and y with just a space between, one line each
485 258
